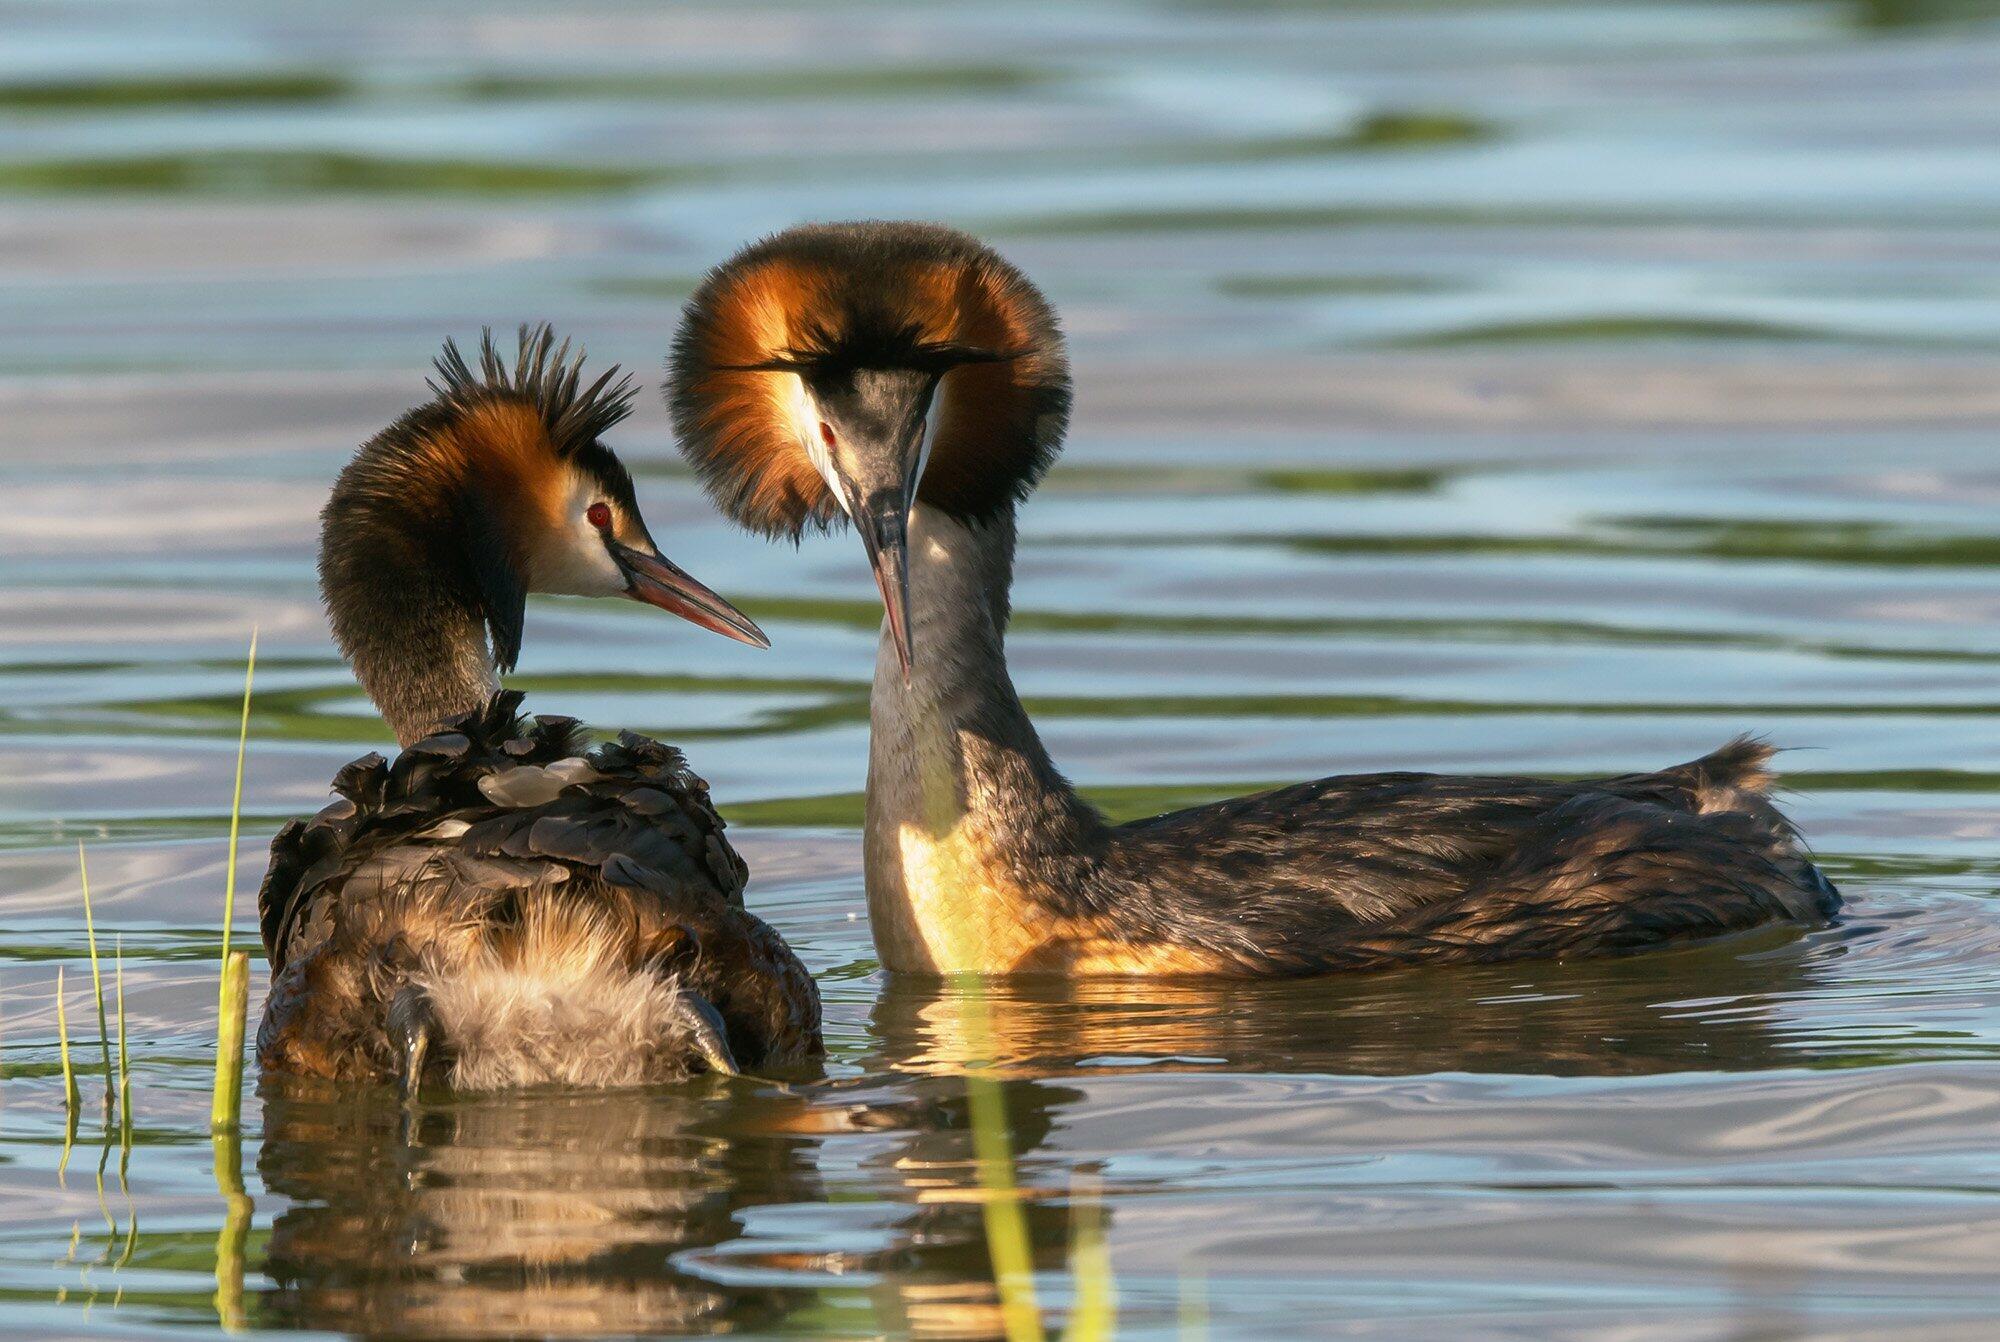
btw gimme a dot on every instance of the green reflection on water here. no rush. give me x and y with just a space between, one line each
1328 286
174 90
1921 13
275 172
258 87
1389 129
1306 218
821 82
1563 329
1643 537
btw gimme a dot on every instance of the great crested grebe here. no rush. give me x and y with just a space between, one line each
501 906
906 376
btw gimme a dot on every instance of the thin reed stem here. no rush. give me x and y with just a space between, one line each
236 801
96 978
226 1109
124 1069
72 1095
993 1149
1094 1316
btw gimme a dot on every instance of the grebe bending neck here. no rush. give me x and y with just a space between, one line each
906 377
501 905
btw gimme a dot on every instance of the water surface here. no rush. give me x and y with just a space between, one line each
1488 387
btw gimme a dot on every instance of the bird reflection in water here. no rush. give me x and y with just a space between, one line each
531 1213
1720 1005
572 1214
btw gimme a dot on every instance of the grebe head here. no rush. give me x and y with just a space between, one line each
442 524
853 370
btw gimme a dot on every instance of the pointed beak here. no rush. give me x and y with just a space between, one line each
410 1027
416 1050
658 581
883 520
707 1033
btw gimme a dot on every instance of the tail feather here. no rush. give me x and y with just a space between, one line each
1738 779
1743 765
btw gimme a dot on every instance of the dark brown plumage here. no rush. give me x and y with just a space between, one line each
445 859
1370 871
500 906
980 854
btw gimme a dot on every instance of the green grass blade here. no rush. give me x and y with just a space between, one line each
96 979
124 1070
236 801
124 1051
72 1096
104 1199
993 1151
1094 1316
233 993
125 1115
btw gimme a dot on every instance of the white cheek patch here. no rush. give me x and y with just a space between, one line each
573 561
806 423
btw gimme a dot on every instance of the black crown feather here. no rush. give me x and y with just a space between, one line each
546 377
861 343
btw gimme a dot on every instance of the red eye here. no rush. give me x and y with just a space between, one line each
826 433
598 515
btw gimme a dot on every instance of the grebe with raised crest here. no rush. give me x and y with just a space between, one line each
905 377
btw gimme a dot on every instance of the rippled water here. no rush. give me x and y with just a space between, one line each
1460 386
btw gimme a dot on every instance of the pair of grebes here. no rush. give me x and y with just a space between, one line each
502 905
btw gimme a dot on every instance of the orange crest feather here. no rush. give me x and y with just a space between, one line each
871 295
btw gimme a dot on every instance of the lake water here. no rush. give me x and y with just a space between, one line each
1468 387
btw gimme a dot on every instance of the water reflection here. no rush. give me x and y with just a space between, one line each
1720 1006
1697 440
555 1214
583 1214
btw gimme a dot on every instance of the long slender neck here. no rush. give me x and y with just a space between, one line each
418 650
964 805
413 582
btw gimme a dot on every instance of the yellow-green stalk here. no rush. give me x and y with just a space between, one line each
236 802
124 1053
233 994
1194 1307
234 1235
226 1109
993 1150
72 1096
125 1115
96 978
72 1093
103 1200
1094 1316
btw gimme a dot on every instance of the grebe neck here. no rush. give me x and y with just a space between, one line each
423 598
421 655
957 774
